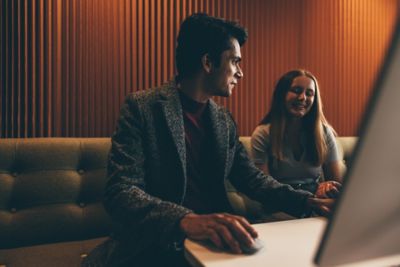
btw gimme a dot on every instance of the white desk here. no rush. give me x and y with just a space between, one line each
287 243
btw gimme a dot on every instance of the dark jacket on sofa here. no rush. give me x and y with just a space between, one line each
147 175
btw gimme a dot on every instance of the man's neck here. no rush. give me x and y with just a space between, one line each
194 89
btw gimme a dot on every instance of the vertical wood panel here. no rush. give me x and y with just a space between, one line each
65 66
350 47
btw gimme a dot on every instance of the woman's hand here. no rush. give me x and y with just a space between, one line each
329 189
321 206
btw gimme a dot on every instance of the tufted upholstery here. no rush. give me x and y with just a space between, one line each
50 192
50 199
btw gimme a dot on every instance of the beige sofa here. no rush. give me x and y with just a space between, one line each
50 199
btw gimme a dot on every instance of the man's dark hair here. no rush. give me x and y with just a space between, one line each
201 34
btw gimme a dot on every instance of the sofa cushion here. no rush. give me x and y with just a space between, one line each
64 254
51 190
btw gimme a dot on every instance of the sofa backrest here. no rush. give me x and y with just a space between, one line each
51 190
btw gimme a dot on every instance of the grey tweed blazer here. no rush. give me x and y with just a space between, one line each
147 171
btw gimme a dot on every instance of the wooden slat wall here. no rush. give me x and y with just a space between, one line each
344 47
66 65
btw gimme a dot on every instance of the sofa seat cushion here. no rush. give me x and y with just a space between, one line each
65 254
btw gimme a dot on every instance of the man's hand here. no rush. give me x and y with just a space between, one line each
219 228
322 206
329 189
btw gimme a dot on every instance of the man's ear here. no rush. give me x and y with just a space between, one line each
206 63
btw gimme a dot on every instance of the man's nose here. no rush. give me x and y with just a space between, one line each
239 73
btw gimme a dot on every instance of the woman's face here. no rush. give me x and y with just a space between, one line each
300 97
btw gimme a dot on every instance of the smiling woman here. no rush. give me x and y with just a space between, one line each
300 97
294 142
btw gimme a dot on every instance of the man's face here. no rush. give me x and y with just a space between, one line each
224 78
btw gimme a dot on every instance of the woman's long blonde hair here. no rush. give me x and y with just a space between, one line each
314 122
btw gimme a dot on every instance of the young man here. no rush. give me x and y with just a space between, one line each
172 151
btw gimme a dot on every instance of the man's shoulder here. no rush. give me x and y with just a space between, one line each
223 111
152 95
220 108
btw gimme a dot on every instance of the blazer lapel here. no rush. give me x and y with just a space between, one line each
172 109
220 133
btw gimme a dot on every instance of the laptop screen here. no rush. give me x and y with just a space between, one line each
366 221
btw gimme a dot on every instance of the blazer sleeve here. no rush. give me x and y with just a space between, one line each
142 218
248 179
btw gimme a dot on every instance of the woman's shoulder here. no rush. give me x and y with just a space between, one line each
262 129
329 131
261 135
330 135
260 140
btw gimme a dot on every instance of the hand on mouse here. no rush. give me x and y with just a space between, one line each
257 245
220 229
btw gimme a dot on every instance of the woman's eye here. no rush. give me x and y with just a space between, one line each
310 93
296 90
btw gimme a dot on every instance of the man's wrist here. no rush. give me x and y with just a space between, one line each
182 221
179 235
